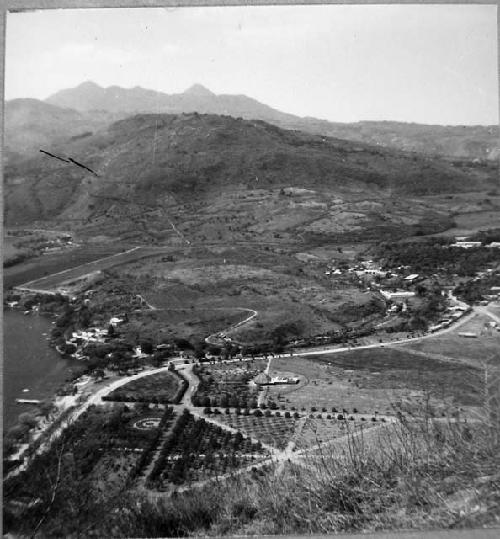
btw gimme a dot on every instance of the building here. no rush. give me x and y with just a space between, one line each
264 379
466 244
412 277
494 244
468 335
397 295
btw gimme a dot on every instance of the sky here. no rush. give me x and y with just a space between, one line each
416 63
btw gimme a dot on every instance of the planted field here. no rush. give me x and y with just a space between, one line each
227 385
164 387
197 450
317 431
274 431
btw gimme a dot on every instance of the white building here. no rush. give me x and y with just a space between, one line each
466 244
399 294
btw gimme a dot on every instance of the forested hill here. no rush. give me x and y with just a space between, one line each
149 158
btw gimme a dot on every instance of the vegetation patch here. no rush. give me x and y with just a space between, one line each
163 387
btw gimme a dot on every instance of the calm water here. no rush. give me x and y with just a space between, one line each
29 363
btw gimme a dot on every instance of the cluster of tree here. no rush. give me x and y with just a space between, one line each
486 236
231 391
342 336
197 443
473 291
59 485
435 255
166 388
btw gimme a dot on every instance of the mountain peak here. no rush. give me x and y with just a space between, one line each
198 90
88 85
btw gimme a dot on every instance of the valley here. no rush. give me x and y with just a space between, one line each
250 305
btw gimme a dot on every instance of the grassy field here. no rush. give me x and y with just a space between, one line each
471 350
396 371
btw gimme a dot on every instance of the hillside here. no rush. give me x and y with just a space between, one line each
31 124
469 142
232 177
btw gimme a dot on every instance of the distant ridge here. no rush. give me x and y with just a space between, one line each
469 142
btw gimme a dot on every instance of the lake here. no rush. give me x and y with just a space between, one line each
29 363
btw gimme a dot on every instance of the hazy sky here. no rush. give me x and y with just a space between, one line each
427 64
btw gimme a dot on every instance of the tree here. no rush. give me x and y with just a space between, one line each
46 408
27 419
146 347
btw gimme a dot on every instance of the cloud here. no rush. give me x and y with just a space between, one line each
89 52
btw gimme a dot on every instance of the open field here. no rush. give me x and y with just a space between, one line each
402 374
471 350
374 380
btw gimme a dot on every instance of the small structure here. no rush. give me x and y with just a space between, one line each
263 379
412 277
468 335
466 244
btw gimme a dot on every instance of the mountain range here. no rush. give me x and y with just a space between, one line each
88 107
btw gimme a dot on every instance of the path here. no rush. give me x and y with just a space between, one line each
215 339
485 311
326 350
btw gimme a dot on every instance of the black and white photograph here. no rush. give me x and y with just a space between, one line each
251 270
